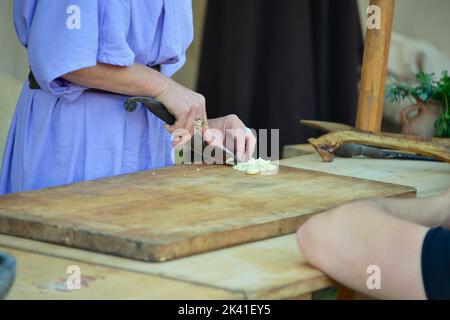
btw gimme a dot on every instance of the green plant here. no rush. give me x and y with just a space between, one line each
427 89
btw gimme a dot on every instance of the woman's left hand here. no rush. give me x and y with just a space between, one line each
231 131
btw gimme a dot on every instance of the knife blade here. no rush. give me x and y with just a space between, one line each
219 154
350 150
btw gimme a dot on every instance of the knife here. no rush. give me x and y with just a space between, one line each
219 155
350 150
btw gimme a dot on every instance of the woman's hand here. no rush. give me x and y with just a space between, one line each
140 80
187 106
231 131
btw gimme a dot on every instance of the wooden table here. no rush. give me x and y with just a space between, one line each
269 269
429 178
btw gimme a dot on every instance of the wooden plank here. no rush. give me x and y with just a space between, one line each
268 269
179 211
374 69
273 268
429 178
45 277
327 144
326 125
337 127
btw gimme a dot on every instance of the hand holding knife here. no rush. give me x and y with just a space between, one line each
160 110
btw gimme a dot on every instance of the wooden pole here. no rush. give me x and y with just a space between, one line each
374 69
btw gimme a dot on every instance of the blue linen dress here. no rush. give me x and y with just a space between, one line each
61 135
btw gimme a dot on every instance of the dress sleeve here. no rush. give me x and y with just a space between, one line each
68 35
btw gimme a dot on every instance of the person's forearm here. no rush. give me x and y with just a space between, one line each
351 241
428 211
136 80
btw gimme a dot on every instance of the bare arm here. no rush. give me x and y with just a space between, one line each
136 80
345 241
139 80
388 233
429 212
186 105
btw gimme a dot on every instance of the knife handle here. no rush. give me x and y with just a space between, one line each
153 105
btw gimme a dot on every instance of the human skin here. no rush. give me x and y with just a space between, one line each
344 241
186 105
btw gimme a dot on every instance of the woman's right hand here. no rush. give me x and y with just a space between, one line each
140 80
186 105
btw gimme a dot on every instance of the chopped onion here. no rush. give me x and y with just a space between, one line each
256 166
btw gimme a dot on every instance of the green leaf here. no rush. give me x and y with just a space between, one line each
426 89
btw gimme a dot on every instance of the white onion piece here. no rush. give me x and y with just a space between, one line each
256 166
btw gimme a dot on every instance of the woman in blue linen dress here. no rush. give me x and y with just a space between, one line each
61 134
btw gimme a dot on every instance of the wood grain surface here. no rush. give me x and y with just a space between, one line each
429 178
374 69
327 144
268 269
45 277
179 211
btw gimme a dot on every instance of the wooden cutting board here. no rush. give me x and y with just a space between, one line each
181 210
